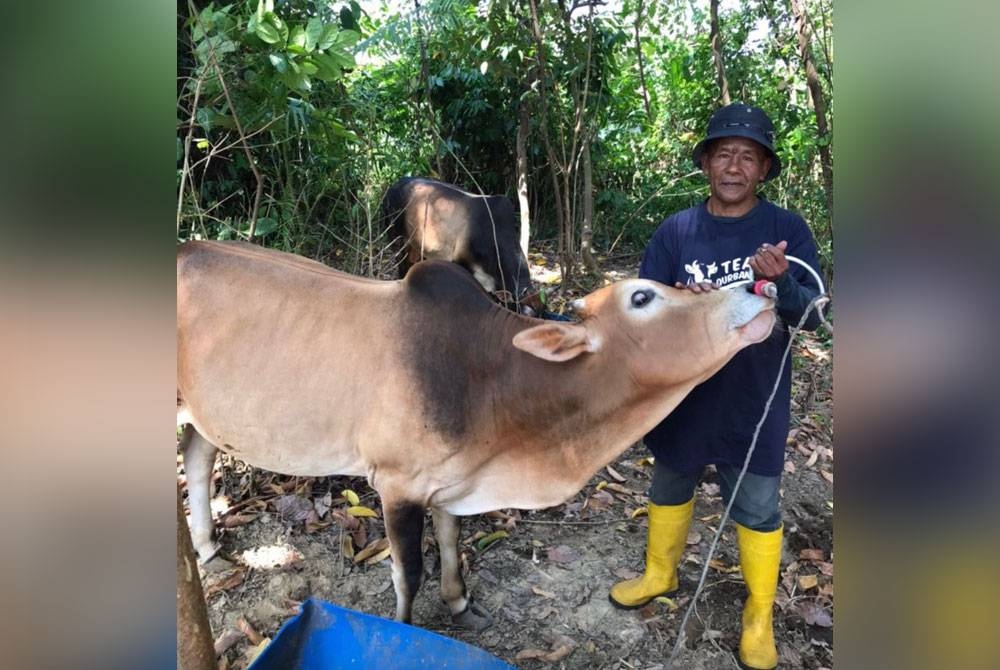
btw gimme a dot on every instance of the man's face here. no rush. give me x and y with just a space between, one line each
734 166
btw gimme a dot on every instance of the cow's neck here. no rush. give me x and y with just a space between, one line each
573 418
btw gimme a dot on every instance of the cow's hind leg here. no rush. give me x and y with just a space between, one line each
464 611
199 457
404 524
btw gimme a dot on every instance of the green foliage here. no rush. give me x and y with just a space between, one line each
335 102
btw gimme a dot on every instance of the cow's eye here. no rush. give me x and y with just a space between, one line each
640 298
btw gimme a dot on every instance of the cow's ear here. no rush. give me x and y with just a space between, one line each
556 341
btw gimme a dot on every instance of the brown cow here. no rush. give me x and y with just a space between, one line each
441 398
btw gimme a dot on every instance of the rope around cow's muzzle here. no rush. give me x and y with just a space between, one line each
816 303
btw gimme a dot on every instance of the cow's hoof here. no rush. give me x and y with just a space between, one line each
473 618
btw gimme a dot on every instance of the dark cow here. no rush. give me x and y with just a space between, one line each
435 220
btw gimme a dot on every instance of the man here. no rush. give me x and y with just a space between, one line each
704 248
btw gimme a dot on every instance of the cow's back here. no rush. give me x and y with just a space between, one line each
275 352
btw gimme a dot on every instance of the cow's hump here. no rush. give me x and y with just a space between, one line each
444 284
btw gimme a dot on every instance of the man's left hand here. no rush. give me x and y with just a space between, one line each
769 262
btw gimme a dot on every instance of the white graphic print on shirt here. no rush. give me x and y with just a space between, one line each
733 270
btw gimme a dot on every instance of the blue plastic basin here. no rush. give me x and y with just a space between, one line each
324 635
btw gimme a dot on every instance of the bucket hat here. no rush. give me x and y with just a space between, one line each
740 120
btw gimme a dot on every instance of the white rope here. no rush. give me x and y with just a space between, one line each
816 303
815 275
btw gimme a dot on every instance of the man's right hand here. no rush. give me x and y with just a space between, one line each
698 287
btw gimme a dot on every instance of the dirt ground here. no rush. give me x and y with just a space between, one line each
545 578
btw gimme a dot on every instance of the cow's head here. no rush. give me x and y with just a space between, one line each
498 263
665 336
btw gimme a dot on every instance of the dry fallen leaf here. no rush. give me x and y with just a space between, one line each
790 467
347 522
322 505
347 546
694 537
812 555
558 654
351 497
625 573
375 547
234 520
812 459
671 605
361 511
293 508
718 565
224 581
360 536
316 526
825 568
614 474
543 593
248 630
225 641
562 554
828 476
807 582
475 536
814 614
600 501
380 556
636 513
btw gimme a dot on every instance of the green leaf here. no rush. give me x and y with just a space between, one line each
345 39
265 226
490 539
298 81
298 37
328 68
268 32
313 32
328 37
280 62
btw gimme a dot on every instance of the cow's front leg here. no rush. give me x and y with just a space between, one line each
404 525
199 458
464 611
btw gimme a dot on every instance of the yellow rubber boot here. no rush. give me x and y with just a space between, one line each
760 560
668 529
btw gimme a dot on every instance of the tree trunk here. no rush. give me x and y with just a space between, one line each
819 105
720 67
523 126
554 164
195 649
587 230
638 57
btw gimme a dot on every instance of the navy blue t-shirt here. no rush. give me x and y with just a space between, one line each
716 422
